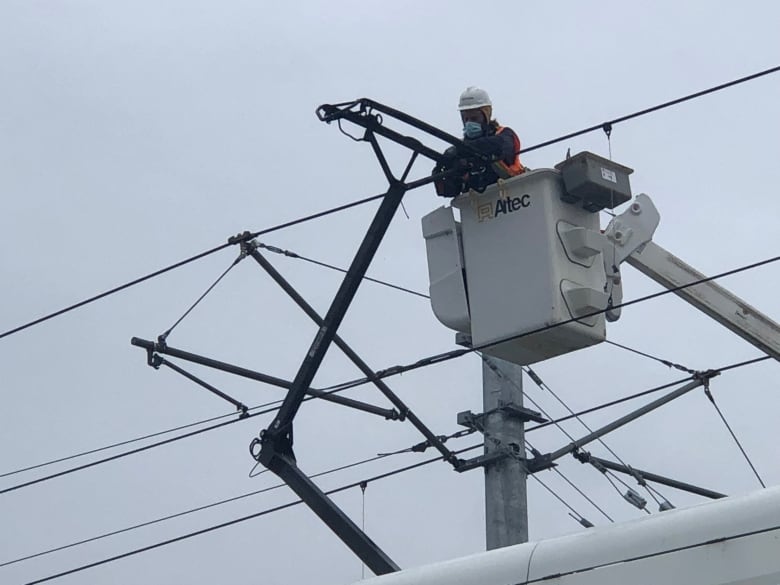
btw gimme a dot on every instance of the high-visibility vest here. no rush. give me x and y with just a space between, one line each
503 170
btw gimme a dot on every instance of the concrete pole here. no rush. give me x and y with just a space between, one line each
506 505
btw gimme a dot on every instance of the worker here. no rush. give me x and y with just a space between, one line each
487 136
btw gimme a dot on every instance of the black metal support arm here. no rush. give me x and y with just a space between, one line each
350 353
158 360
585 457
276 442
545 461
362 112
366 549
153 347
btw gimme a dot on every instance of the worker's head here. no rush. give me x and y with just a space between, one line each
475 109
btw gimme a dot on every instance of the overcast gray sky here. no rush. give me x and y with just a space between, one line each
135 134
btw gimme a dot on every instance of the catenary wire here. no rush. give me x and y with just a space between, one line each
253 414
578 516
139 449
243 519
533 450
543 386
231 242
667 363
369 199
711 398
184 513
291 254
655 108
538 381
117 444
387 372
379 456
453 354
267 511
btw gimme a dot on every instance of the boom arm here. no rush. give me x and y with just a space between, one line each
629 239
709 297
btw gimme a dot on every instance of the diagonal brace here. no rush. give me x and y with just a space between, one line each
350 353
280 430
162 348
540 462
158 360
585 457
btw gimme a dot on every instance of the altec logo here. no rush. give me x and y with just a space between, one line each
502 207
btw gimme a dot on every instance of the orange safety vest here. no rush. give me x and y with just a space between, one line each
503 170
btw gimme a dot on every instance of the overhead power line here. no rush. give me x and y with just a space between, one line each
607 126
291 254
117 444
361 484
543 386
242 519
295 255
450 355
269 410
184 513
387 372
233 241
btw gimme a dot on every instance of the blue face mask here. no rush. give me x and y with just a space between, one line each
472 130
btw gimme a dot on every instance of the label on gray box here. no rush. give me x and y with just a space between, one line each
608 175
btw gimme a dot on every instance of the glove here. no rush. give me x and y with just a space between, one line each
450 155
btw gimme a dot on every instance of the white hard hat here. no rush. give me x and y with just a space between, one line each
473 98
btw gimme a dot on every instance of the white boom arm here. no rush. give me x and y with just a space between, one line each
629 239
709 297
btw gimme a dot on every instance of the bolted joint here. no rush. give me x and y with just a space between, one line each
248 246
270 448
481 461
540 463
239 238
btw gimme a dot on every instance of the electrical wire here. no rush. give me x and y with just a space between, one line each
579 517
184 513
667 363
358 202
538 381
118 444
291 254
533 450
733 435
241 519
278 402
267 511
137 450
231 242
593 409
637 114
542 385
295 255
453 354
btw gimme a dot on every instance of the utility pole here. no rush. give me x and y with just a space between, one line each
506 502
